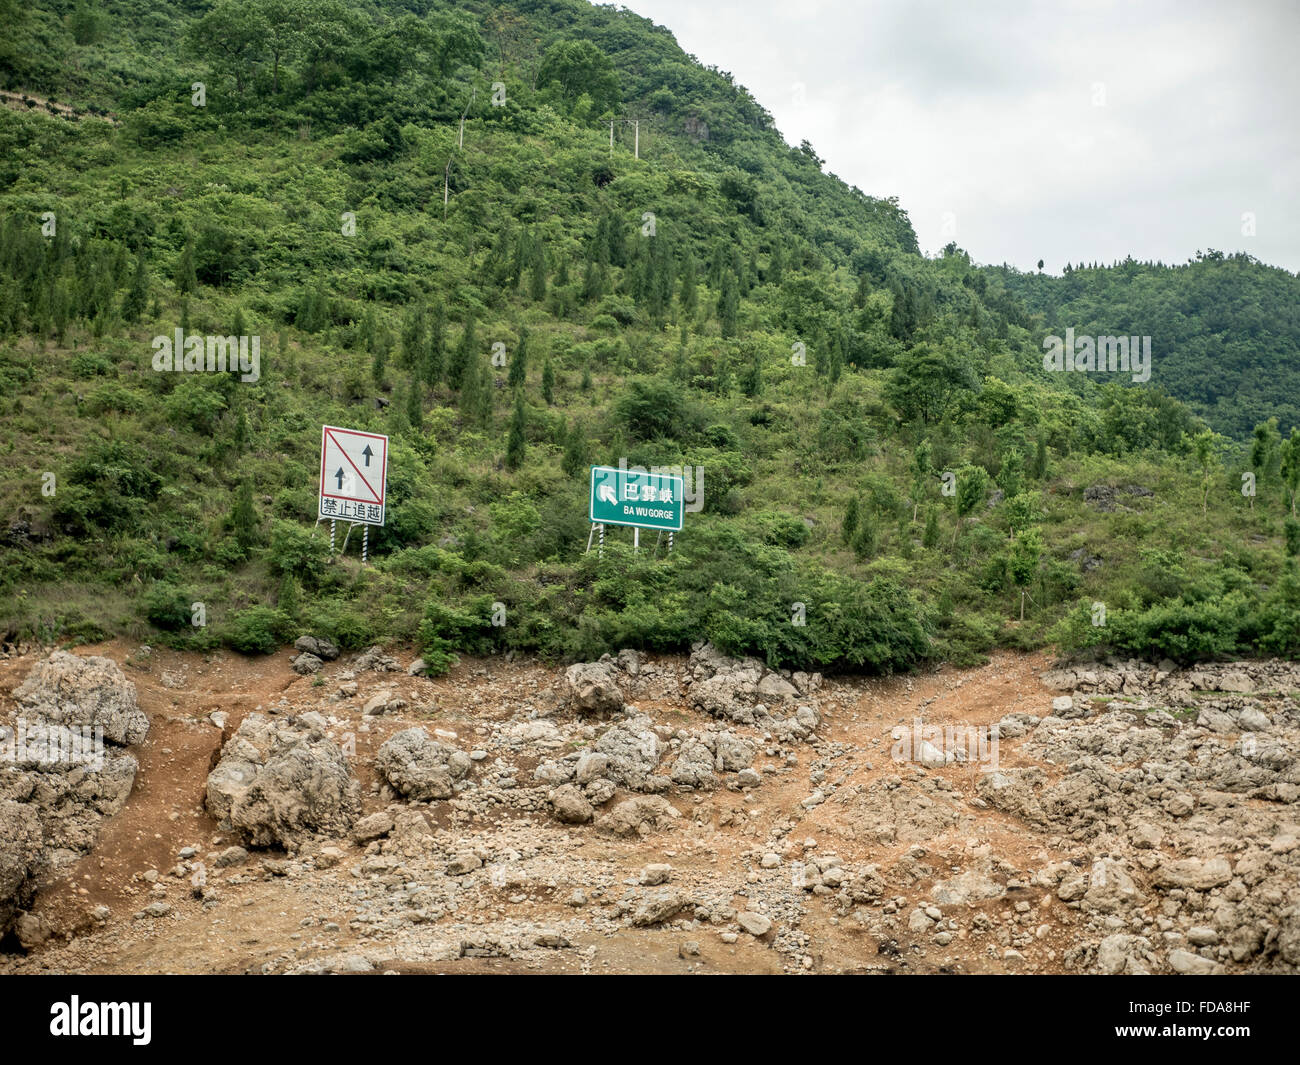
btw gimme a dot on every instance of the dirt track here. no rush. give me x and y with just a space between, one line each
272 912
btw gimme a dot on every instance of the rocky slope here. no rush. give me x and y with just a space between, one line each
315 812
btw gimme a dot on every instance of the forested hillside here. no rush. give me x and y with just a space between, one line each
1225 329
418 211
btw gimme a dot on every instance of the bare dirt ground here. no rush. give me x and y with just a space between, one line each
553 897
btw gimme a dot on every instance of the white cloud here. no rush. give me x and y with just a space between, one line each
987 111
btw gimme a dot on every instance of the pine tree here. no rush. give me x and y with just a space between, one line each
850 524
575 459
368 330
239 326
537 276
776 265
593 281
137 296
515 443
415 405
243 517
866 539
1039 470
835 360
378 363
469 387
689 297
518 374
585 385
186 280
413 338
752 381
464 355
548 383
241 434
930 538
486 392
519 260
435 357
288 600
728 305
717 264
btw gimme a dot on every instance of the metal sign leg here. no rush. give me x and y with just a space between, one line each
365 542
636 538
331 537
347 537
600 550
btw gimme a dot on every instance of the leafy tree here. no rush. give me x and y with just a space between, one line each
972 490
457 42
1206 446
926 380
87 22
922 473
282 36
1291 536
1023 510
231 36
579 68
1023 563
1265 449
1289 466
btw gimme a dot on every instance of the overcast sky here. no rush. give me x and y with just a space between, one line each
1071 131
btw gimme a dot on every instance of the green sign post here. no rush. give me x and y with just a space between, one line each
637 497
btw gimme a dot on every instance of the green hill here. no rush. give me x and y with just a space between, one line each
889 476
1225 329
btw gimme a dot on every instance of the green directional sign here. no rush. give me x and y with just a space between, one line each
637 497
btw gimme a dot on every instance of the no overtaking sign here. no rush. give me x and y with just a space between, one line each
353 475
